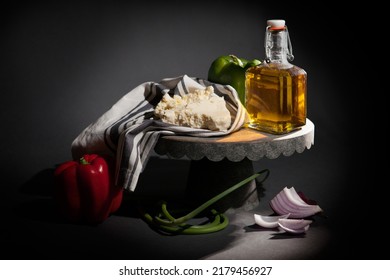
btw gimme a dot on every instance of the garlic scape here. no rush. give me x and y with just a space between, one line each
288 201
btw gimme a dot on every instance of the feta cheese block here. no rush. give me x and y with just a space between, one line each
201 108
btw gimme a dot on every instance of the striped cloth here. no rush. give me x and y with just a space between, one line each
129 131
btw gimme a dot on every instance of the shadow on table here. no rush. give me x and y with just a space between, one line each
40 205
43 233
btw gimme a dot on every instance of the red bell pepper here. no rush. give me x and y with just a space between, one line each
85 190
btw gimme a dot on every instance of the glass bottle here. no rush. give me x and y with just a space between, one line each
275 90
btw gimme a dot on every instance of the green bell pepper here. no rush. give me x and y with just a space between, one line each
230 70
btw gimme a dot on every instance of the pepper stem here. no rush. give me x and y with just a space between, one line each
83 161
237 60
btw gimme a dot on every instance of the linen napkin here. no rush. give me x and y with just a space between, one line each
129 130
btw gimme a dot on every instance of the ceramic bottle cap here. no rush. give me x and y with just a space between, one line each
276 23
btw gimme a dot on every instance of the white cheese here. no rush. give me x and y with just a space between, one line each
199 109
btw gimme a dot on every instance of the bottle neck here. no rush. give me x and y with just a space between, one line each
276 46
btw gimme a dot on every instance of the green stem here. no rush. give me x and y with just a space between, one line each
201 208
237 60
219 222
83 161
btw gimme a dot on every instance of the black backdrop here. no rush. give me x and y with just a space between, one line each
65 64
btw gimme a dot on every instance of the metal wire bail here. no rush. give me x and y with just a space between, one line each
290 56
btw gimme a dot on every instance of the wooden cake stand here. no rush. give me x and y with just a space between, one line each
218 163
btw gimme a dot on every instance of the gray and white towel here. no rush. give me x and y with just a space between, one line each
129 131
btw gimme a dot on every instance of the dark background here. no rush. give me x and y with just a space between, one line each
64 64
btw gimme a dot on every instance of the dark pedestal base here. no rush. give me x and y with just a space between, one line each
208 178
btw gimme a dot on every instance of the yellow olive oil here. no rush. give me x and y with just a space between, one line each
276 98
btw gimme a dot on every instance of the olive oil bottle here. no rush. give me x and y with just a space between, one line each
276 90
